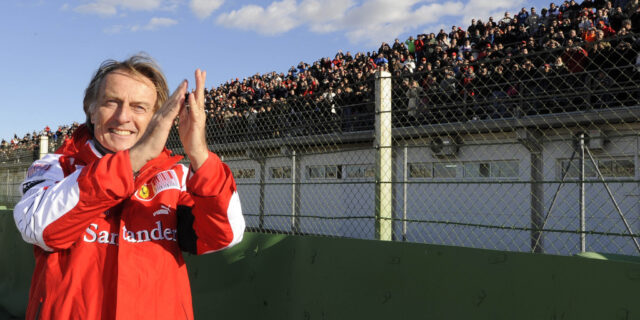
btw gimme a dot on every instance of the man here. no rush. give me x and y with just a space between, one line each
533 21
409 43
522 16
506 20
109 213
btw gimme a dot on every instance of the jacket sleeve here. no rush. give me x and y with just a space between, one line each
209 213
55 210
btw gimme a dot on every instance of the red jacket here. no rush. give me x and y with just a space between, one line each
108 245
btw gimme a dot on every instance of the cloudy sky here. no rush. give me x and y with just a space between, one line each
51 48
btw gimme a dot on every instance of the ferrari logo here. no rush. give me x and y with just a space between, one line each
144 192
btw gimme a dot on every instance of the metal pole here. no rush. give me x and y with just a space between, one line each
613 199
405 178
295 194
582 196
262 186
555 195
537 208
7 186
384 159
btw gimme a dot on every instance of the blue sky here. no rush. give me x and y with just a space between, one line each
51 48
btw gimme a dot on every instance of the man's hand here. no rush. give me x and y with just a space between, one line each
191 126
155 137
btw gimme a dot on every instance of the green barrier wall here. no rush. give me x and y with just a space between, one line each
294 277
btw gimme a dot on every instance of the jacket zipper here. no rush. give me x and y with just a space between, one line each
38 310
186 315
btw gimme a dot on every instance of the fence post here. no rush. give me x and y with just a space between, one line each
7 186
384 160
581 200
295 193
44 145
405 181
531 140
262 191
537 205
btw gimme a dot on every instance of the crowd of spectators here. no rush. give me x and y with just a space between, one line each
466 73
30 141
559 53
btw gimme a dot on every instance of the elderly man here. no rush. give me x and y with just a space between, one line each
110 212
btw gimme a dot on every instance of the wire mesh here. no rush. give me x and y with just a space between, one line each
533 153
484 154
14 163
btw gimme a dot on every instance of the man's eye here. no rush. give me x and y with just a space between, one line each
111 103
139 109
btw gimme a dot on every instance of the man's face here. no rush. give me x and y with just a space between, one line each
123 110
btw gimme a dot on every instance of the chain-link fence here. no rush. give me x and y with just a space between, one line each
13 170
533 152
14 163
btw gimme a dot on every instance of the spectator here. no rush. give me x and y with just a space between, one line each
410 43
617 18
575 57
553 11
398 46
506 20
409 64
415 95
522 16
533 21
381 60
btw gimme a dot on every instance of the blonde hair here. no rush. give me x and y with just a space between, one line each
140 65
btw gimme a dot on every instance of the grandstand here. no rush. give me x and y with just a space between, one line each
505 133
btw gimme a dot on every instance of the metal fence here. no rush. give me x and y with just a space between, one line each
14 163
13 170
518 154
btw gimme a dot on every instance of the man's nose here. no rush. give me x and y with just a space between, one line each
123 113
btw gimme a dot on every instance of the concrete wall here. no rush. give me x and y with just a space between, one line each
295 277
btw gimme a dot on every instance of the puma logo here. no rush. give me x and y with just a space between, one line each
163 210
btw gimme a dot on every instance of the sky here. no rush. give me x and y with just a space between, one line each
50 49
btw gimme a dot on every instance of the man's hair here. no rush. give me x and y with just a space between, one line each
139 64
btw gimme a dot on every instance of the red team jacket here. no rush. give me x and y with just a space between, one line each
108 245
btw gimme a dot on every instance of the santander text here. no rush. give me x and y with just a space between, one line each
92 234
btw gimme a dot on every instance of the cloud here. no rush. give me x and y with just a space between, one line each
361 21
154 24
369 21
203 8
278 17
483 9
98 8
322 15
110 7
380 20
